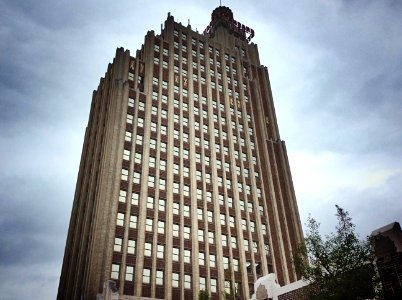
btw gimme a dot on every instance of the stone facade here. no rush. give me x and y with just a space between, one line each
184 182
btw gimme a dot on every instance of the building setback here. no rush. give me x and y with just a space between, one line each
184 182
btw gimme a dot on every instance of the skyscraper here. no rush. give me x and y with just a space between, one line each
184 183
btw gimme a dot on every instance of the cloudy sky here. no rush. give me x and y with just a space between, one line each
336 74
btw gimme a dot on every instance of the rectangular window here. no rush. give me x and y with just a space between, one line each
127 136
176 254
124 174
187 256
148 249
117 244
161 227
224 240
115 271
175 279
160 251
200 235
129 273
212 260
146 276
131 247
211 237
122 196
201 259
159 277
213 285
120 219
186 232
133 222
148 225
187 281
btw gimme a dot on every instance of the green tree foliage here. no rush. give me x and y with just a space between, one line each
339 266
203 295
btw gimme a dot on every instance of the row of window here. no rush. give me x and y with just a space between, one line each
159 278
151 203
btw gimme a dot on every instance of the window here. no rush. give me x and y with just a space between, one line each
122 196
246 245
200 235
175 279
224 240
165 51
264 229
130 76
140 122
162 204
234 242
186 232
148 249
124 174
130 102
199 213
176 230
115 271
150 202
162 165
138 159
154 95
117 244
160 251
162 184
187 256
151 181
176 187
146 276
176 254
159 277
242 205
153 126
250 207
213 285
176 208
120 219
163 144
161 227
187 281
225 263
211 237
212 260
131 247
186 211
210 216
203 284
133 221
129 273
129 119
127 136
223 219
231 221
134 198
209 196
148 225
156 61
244 224
230 202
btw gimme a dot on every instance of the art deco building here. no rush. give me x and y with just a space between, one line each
184 183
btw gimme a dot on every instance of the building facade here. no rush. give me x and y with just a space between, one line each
184 183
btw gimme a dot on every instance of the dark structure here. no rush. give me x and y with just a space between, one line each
184 182
388 251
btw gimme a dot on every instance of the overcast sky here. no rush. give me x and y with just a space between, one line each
336 75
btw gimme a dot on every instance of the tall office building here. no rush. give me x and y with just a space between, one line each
184 184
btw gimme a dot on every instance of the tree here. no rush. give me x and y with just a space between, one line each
203 295
339 267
